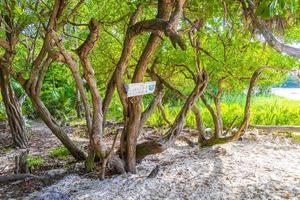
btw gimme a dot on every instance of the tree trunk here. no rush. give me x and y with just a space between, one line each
217 100
133 113
21 164
158 146
12 107
116 78
131 128
244 125
55 128
78 104
214 117
96 134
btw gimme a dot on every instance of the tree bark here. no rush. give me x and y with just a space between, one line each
214 117
33 85
134 29
150 109
196 111
116 78
163 113
133 107
12 107
244 125
55 128
78 103
133 113
158 146
96 135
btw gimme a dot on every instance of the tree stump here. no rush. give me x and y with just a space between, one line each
21 165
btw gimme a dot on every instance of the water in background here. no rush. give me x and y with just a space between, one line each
290 89
289 93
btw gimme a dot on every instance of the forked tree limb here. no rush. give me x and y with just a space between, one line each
96 133
159 145
132 110
121 65
244 125
38 70
73 66
107 157
136 28
194 109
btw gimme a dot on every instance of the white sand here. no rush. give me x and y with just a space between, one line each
267 168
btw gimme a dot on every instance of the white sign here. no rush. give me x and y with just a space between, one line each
137 89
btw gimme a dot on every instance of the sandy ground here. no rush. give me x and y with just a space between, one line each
41 140
259 167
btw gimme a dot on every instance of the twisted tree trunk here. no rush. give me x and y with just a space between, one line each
244 125
12 107
96 134
132 114
158 146
45 115
33 84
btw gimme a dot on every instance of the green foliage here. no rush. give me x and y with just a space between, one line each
58 92
59 152
269 8
2 111
275 110
33 161
233 50
265 110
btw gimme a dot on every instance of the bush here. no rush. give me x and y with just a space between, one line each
34 161
59 152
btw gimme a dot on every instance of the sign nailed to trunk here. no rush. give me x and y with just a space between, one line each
137 89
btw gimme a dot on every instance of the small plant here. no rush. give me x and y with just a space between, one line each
59 152
33 161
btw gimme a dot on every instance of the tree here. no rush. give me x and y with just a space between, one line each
208 44
16 122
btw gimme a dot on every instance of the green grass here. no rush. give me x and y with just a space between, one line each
59 152
34 161
78 122
265 110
